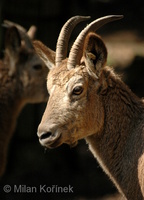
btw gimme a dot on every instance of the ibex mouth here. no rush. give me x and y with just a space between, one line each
49 139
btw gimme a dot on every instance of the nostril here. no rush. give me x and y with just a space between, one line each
45 135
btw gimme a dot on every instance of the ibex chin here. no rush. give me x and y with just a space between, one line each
22 80
88 100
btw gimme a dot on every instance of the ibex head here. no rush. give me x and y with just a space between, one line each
74 85
24 65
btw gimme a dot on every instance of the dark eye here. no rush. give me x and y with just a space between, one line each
37 67
77 90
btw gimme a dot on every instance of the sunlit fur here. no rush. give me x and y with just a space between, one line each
107 114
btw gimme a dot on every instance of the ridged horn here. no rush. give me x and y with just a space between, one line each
63 39
77 48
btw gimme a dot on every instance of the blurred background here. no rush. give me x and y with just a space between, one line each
28 163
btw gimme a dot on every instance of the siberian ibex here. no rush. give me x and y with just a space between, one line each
88 100
22 80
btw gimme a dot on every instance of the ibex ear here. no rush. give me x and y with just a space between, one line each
45 53
94 52
12 42
12 48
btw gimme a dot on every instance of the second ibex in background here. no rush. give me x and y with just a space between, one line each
88 100
22 80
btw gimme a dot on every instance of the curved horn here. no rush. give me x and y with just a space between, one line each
77 48
63 39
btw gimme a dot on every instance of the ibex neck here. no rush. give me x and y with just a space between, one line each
10 107
116 147
10 100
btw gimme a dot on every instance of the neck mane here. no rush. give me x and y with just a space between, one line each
119 145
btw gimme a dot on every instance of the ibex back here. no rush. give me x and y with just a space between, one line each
88 100
22 80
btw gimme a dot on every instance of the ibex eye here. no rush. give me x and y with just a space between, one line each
77 90
37 67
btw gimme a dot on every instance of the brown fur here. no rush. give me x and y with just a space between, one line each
103 110
22 80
